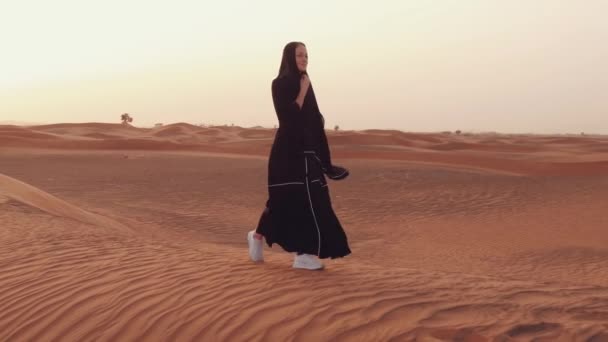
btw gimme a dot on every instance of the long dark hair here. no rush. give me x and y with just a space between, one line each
288 62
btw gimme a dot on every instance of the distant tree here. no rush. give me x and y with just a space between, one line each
336 128
582 133
126 118
458 132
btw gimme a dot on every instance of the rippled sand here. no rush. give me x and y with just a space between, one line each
502 238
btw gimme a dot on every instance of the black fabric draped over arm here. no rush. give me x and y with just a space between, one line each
324 153
301 129
334 172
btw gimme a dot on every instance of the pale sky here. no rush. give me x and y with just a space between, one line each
513 66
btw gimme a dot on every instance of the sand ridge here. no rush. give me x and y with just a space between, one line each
12 189
524 154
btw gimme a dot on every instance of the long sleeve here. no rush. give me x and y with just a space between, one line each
291 119
284 93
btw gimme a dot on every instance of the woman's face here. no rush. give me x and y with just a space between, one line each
301 58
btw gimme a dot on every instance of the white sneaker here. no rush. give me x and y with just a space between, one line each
256 247
307 262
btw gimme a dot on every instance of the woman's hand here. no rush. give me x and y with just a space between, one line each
304 85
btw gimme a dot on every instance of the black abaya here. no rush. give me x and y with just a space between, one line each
298 214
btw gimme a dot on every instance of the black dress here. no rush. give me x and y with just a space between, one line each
298 214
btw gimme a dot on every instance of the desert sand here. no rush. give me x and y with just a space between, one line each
115 233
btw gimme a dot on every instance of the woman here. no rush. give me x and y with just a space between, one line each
298 214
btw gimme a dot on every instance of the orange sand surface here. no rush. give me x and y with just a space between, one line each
116 233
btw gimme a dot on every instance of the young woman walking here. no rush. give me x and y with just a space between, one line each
298 214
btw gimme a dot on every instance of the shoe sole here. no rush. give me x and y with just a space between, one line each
303 267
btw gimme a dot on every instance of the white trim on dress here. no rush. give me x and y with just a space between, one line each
311 207
281 184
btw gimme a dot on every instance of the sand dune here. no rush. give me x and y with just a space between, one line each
12 189
24 133
113 233
523 154
175 130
